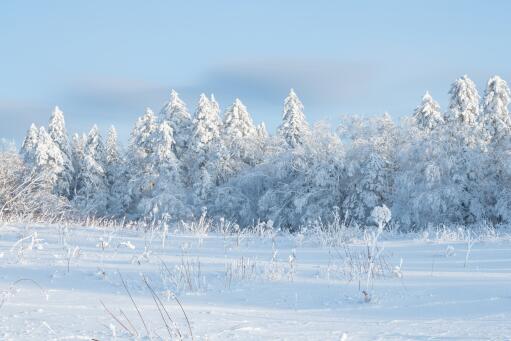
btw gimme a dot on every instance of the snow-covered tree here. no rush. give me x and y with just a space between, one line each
49 152
496 155
113 155
207 124
302 184
48 159
237 121
166 196
57 131
140 139
464 102
116 175
369 188
92 186
179 119
428 114
77 145
139 151
24 191
203 150
294 128
240 146
441 177
29 145
370 165
495 118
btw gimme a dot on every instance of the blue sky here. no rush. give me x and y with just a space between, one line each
105 61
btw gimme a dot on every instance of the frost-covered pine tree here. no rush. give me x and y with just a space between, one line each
29 145
57 131
237 121
166 196
428 114
494 185
207 124
495 115
116 175
140 139
464 102
203 150
113 155
294 128
179 119
139 151
48 159
77 146
92 187
239 147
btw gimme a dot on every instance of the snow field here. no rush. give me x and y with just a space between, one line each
250 286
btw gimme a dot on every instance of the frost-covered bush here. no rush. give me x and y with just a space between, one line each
25 193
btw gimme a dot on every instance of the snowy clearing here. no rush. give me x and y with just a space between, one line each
250 286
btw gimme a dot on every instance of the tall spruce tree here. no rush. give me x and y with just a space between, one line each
294 128
140 149
495 115
116 175
464 102
58 133
179 119
203 151
428 114
29 145
48 160
92 194
166 198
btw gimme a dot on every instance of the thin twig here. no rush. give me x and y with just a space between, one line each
116 319
134 304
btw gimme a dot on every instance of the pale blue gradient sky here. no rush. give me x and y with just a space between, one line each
104 61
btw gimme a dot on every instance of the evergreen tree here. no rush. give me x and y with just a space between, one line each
496 120
464 102
141 179
57 131
294 128
166 196
497 129
77 147
116 175
92 194
113 156
207 124
29 145
203 151
48 159
237 121
239 146
428 114
140 139
179 119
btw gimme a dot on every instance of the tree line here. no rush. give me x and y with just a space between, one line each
432 167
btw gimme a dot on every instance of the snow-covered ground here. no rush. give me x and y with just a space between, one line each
54 280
